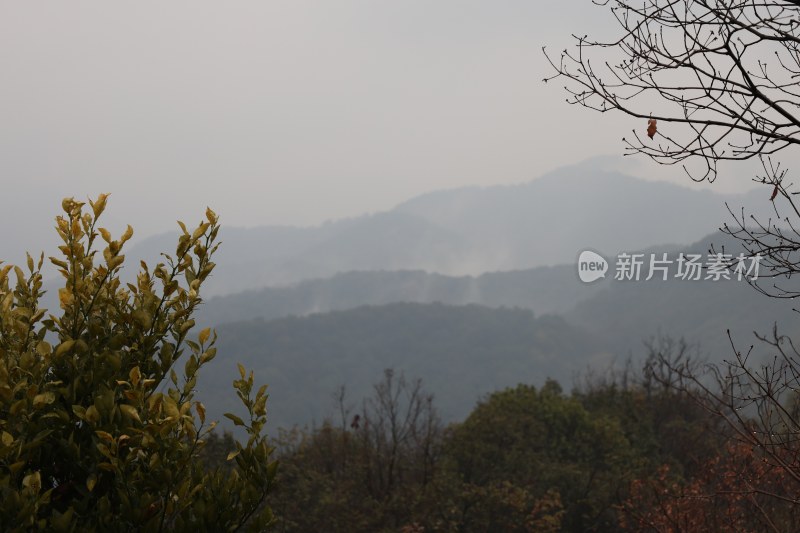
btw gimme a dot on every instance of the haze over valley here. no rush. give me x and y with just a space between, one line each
474 286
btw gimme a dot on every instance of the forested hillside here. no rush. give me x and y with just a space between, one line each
463 352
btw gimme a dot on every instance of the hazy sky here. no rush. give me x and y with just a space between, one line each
281 111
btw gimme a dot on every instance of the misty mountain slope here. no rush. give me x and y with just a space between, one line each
464 351
624 312
700 311
460 352
472 231
543 290
548 220
263 256
383 241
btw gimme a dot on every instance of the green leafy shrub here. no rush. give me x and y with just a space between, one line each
99 427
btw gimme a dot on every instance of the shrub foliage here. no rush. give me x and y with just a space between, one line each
99 425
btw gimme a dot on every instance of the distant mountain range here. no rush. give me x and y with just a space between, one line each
467 336
471 231
610 308
472 289
463 352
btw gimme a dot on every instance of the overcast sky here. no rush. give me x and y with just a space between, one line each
288 112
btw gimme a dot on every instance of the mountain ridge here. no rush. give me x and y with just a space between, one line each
471 230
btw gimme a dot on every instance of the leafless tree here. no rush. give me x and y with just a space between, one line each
722 74
712 81
759 406
403 430
716 81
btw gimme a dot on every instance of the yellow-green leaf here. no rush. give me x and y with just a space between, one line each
99 205
43 348
64 347
105 234
59 263
186 326
106 436
236 420
43 399
127 235
136 375
171 407
203 337
114 262
33 482
65 297
92 415
208 355
130 411
231 455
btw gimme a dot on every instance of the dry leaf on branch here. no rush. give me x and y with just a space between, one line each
651 127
